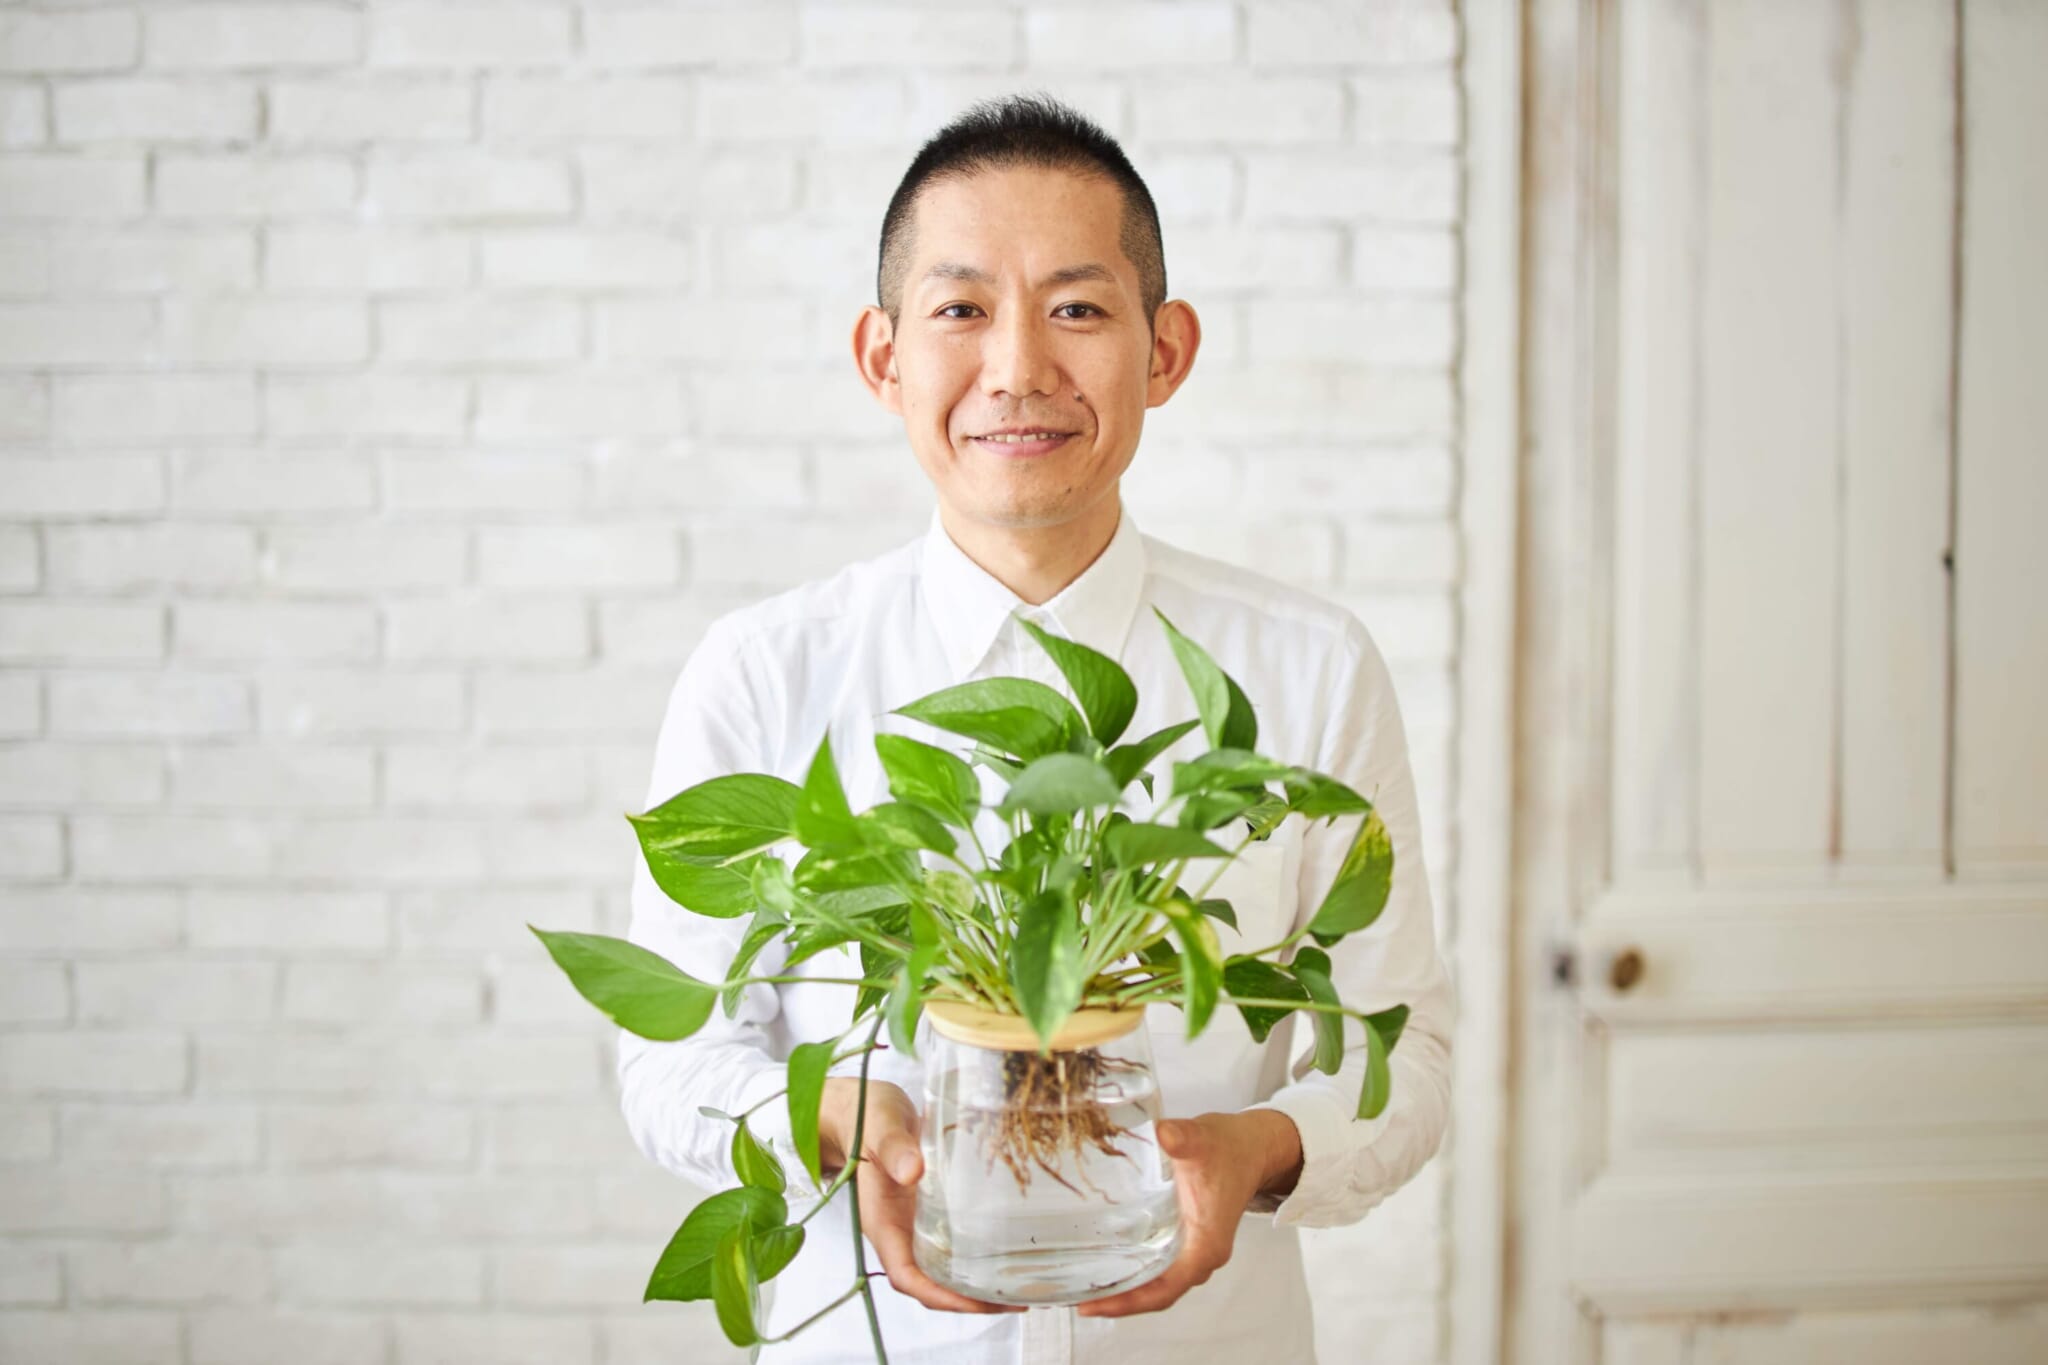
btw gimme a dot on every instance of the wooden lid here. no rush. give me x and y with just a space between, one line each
965 1023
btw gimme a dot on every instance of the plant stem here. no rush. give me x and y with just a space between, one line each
819 1314
819 980
1297 1005
860 1251
766 1099
1242 845
1287 942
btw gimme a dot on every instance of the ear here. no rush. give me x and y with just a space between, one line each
1176 336
874 355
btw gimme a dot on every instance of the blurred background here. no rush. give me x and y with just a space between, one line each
391 391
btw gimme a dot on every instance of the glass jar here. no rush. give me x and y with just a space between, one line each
1043 1180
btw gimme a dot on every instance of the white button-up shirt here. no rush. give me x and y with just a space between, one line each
839 653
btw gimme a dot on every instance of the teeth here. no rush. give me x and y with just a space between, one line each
1026 436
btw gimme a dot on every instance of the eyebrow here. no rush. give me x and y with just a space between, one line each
1073 274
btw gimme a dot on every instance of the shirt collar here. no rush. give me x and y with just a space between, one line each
969 605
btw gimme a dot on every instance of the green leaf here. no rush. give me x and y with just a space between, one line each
1106 693
703 886
1227 770
684 1271
875 964
1379 1077
1018 863
1058 784
767 924
1264 815
1141 843
1014 715
1318 797
1215 907
823 819
899 824
996 763
1359 891
1045 961
1201 963
1126 761
1389 1024
641 991
722 817
807 1064
906 996
1240 725
775 1249
871 870
1225 711
924 775
1159 954
858 902
1065 871
755 1164
1252 978
774 886
953 892
1312 969
1208 810
735 1290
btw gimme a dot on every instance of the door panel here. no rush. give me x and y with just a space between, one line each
1783 725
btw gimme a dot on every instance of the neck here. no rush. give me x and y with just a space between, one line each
1036 562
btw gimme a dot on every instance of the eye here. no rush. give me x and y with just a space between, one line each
950 307
1089 306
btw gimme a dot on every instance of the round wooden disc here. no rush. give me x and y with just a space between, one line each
965 1023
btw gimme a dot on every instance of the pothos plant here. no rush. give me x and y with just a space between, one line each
1083 907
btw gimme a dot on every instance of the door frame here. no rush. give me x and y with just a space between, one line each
1559 80
1490 454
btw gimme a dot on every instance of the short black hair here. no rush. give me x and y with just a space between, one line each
1035 130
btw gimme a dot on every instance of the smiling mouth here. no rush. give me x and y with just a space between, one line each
1025 443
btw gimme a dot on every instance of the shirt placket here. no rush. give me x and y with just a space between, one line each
1048 1335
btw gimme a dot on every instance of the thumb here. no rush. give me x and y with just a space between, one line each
1177 1137
895 1151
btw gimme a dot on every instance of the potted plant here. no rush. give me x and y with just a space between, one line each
1018 981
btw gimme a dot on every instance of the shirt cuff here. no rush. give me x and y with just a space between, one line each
1331 1145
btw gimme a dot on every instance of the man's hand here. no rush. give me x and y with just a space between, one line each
886 1183
1219 1162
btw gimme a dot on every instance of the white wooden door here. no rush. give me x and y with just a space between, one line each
1783 881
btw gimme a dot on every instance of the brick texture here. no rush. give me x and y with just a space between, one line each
389 393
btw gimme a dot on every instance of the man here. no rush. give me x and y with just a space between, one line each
1021 332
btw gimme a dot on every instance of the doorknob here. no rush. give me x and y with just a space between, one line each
1625 968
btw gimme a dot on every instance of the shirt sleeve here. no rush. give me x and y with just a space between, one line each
1351 1164
712 727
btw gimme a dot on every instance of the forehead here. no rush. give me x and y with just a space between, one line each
1028 218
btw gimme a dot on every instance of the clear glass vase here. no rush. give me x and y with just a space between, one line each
1043 1180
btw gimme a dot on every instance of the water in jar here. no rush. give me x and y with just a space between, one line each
1096 1212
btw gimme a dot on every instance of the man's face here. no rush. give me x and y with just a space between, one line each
1020 310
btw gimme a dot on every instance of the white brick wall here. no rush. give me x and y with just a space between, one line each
389 392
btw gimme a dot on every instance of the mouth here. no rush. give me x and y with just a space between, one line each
1016 444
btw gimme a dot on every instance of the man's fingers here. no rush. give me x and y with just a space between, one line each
889 1137
895 1150
1200 1256
886 1212
1149 1297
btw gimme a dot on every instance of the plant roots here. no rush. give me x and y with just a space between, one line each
1050 1112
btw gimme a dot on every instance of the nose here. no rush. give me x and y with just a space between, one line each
1017 357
